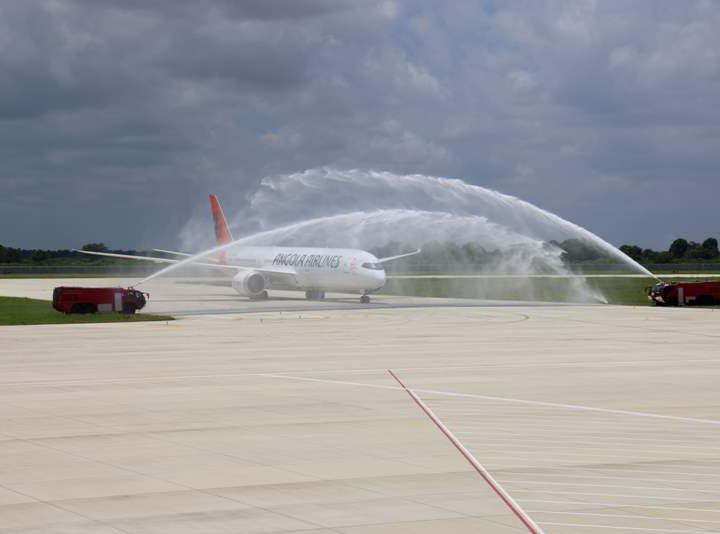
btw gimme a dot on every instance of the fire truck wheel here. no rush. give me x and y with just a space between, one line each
704 300
129 308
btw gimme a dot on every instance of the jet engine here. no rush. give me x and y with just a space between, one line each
250 284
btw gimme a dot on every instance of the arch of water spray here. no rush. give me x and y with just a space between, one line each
369 209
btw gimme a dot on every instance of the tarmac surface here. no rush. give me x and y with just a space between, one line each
280 416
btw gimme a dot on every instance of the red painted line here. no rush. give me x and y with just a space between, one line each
496 487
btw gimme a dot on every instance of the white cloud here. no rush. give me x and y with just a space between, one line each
417 78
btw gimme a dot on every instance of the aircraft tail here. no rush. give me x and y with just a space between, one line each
222 231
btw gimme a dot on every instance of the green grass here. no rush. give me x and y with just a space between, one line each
629 291
19 311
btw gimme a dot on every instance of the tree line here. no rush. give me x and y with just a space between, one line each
10 255
680 250
573 251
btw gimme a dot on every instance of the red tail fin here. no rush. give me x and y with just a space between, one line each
222 232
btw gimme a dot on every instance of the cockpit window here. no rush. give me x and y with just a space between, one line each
373 266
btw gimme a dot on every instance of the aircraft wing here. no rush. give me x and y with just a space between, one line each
390 258
174 252
269 270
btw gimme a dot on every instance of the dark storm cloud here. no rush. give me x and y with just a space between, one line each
127 113
201 58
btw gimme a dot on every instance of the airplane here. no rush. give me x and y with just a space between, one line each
256 269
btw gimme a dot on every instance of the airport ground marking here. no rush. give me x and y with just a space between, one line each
641 529
623 516
583 484
601 438
595 476
524 518
624 505
579 407
368 370
597 444
612 495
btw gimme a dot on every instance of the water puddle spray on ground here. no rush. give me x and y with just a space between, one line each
464 227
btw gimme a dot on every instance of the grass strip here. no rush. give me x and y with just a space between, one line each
23 311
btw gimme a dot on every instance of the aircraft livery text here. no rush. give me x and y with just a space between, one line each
307 260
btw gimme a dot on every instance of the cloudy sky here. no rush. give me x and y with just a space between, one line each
118 117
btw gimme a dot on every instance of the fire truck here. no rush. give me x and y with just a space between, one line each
685 293
98 299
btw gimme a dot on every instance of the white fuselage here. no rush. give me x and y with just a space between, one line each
339 269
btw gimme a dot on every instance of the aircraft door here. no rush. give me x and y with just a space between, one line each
352 265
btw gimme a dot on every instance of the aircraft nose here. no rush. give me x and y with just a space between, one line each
381 278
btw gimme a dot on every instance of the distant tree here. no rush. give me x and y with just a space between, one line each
579 251
710 245
678 248
95 247
633 251
10 255
39 255
695 251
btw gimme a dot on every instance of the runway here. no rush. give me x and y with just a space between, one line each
187 297
284 419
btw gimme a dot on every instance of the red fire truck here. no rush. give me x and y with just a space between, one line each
685 293
98 299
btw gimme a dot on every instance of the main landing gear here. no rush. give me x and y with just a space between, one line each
263 295
315 294
365 299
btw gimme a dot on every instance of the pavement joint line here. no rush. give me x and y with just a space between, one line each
185 487
674 444
353 371
546 420
53 504
658 480
625 505
525 519
623 516
594 470
593 485
611 469
585 452
635 496
500 457
153 436
587 433
506 399
644 529
540 418
709 456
